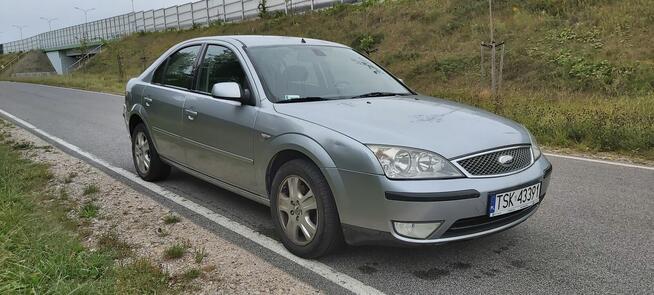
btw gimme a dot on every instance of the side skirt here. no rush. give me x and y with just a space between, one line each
222 184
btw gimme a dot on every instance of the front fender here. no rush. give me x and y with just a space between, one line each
268 149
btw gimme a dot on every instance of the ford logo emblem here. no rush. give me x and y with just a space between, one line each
505 160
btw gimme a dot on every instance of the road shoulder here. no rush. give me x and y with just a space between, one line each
184 250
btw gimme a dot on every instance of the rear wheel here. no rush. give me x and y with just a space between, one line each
146 159
304 211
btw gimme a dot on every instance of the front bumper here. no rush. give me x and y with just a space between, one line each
367 210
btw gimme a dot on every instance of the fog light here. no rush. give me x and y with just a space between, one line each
416 230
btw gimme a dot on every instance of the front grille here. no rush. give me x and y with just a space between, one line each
488 164
483 223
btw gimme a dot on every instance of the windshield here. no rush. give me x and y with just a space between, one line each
307 73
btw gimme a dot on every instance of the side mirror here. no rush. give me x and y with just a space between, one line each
227 90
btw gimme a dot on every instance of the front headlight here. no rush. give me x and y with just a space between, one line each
408 163
535 150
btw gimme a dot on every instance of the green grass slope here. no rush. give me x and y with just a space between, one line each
33 61
578 73
5 59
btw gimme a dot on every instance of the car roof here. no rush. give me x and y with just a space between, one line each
267 40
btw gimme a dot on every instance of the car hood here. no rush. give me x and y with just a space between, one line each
445 127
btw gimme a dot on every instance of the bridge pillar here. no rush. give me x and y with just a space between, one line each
60 61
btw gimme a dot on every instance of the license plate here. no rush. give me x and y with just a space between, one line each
507 202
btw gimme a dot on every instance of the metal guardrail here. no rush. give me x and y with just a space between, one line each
183 16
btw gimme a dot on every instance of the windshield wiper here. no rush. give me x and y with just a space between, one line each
379 94
303 99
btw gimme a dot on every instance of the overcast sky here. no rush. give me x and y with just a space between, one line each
29 12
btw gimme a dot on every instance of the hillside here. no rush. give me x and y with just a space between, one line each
5 59
31 62
579 74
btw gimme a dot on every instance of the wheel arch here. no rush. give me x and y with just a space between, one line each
295 146
134 120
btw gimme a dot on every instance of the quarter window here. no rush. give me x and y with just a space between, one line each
219 65
178 68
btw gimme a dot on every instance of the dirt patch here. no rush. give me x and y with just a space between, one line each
111 214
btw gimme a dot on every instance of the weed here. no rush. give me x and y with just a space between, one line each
171 219
199 254
23 145
263 9
191 274
88 210
141 277
110 243
175 251
90 190
367 43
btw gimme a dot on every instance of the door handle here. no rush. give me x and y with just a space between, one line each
190 114
147 101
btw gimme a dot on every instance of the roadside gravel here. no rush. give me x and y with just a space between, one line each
150 229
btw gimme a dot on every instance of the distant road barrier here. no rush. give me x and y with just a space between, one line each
183 16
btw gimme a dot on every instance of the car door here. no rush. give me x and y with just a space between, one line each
219 133
164 100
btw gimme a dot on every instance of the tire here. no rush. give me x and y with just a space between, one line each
155 169
328 235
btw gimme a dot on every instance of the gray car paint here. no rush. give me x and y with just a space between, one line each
246 138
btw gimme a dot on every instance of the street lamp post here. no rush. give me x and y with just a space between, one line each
86 18
133 17
86 13
49 20
20 28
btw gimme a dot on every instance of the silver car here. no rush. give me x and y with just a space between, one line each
341 150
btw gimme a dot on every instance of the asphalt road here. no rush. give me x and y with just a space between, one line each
594 233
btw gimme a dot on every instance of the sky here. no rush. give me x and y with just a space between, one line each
29 12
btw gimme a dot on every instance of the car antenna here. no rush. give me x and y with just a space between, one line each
303 41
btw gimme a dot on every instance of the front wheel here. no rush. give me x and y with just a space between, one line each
304 211
146 159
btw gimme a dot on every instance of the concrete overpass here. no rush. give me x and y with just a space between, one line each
66 59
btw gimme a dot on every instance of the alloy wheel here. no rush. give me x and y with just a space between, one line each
142 152
297 210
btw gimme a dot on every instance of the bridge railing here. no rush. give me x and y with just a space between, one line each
183 16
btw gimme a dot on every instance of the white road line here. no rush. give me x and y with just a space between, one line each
321 269
599 161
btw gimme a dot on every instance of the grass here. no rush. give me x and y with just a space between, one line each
22 146
191 274
90 190
577 73
88 210
171 219
199 254
118 249
175 251
40 250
